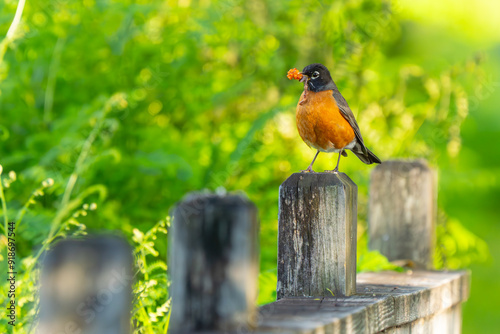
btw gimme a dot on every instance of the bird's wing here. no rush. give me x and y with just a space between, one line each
348 115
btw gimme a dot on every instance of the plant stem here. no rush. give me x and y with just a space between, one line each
17 19
51 80
12 29
26 205
62 210
3 48
79 164
4 207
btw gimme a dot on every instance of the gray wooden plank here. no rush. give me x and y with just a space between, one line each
448 321
386 302
383 300
418 294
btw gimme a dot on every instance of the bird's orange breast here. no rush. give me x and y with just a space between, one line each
320 123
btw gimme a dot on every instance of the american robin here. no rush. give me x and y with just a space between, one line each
325 121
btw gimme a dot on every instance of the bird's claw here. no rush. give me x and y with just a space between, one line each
308 170
334 171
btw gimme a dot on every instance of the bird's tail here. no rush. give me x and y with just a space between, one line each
367 156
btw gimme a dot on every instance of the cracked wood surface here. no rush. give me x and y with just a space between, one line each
317 235
384 300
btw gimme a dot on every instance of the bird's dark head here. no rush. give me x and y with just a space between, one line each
317 77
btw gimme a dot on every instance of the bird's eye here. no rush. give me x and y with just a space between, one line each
315 75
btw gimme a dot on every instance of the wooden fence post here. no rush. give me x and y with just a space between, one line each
317 235
213 249
86 287
402 211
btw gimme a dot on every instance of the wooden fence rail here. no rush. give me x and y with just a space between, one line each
213 250
318 291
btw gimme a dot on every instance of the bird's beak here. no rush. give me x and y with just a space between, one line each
304 78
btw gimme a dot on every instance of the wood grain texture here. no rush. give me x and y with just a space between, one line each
402 211
448 321
384 300
86 287
317 235
213 249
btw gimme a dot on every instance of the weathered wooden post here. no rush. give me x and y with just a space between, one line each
213 249
317 235
402 211
86 287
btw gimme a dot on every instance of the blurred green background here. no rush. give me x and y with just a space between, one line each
132 104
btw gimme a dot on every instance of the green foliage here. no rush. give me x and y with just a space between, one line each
369 260
374 261
267 286
152 304
131 104
26 264
457 247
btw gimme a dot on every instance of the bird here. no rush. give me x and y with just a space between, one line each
324 120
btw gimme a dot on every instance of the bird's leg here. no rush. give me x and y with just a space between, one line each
309 169
336 170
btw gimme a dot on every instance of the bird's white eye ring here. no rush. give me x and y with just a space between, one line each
315 75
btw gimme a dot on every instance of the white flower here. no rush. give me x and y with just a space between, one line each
93 206
12 175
